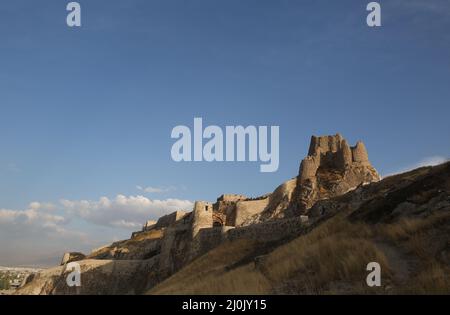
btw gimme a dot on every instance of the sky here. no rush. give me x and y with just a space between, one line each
86 113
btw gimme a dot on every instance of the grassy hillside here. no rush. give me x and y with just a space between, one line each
402 222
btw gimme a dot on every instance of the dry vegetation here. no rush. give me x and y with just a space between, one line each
401 222
424 240
211 273
331 259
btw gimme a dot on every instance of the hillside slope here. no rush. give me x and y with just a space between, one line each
402 222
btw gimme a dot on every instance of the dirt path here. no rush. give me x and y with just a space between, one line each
401 263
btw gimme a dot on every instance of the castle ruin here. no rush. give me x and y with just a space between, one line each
331 168
163 247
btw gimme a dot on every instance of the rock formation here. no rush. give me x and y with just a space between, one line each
331 168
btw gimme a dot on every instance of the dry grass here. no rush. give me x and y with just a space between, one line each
333 252
423 239
208 274
407 227
330 259
434 279
242 280
336 252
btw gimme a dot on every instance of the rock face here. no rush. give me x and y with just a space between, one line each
331 168
162 248
97 277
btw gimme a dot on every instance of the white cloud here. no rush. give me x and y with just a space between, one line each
428 161
123 211
126 224
30 216
156 190
34 233
47 230
46 206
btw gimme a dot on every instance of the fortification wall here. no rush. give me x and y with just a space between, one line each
202 216
359 153
331 152
270 230
231 197
345 155
225 210
325 144
174 246
150 224
169 219
212 237
308 167
246 209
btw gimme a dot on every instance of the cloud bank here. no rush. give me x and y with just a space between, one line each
123 211
47 230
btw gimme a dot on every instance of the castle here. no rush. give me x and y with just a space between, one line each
163 247
237 238
332 152
331 168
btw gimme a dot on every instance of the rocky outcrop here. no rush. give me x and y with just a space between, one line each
331 168
332 153
143 245
97 277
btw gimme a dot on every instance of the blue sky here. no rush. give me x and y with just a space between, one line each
87 112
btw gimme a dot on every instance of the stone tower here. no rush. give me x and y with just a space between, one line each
332 152
331 168
359 153
202 217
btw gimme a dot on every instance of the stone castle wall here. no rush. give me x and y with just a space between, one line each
331 152
210 238
325 144
149 225
231 197
309 167
202 216
359 153
234 217
270 230
169 219
174 248
246 209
